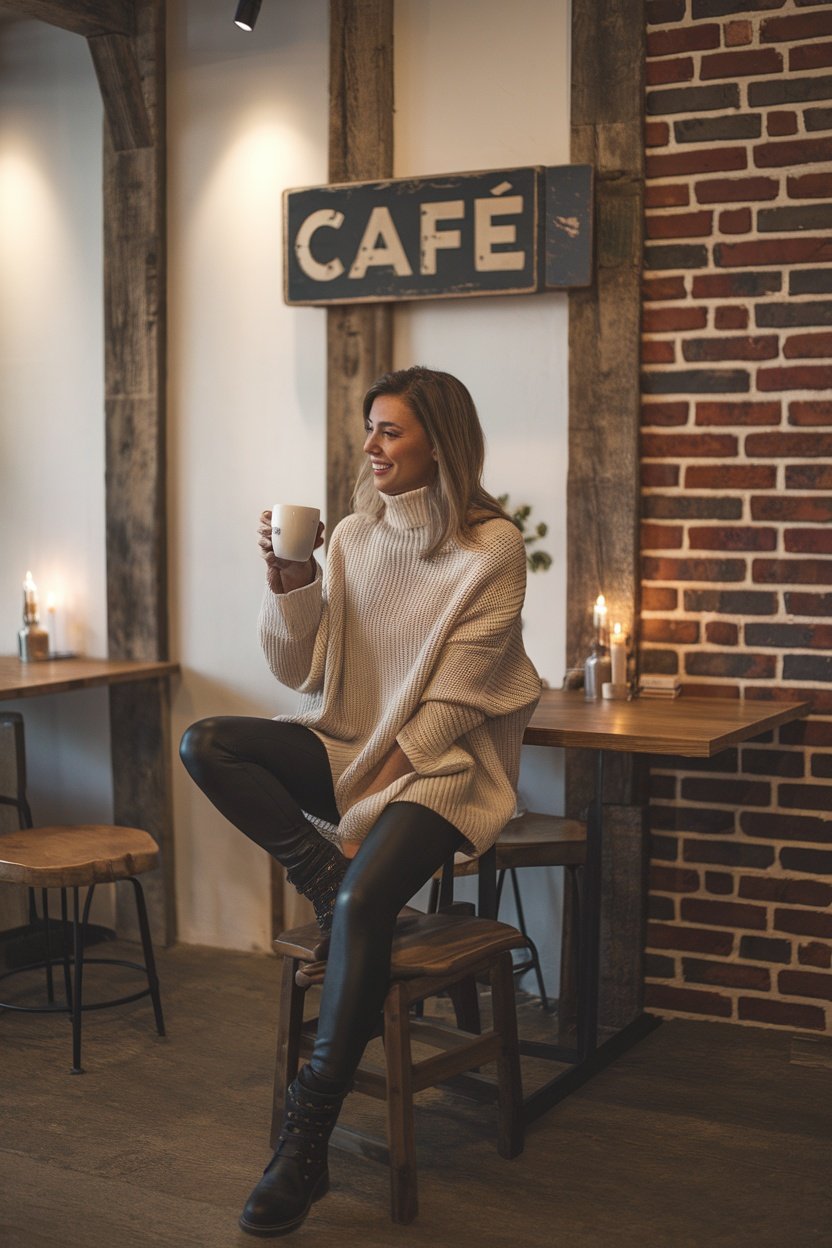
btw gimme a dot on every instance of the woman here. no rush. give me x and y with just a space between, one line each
416 690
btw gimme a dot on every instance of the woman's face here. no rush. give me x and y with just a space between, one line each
401 455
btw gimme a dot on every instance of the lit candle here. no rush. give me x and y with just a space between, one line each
52 623
618 656
599 619
30 600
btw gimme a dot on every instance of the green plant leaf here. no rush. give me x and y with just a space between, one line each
537 560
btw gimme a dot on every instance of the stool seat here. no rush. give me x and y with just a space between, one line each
534 840
81 854
423 944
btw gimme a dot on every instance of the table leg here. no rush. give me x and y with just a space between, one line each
590 1056
589 948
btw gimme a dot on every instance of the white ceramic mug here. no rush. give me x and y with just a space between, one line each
294 530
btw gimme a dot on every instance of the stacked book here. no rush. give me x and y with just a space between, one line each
659 687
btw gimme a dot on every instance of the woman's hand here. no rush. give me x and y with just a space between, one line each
284 575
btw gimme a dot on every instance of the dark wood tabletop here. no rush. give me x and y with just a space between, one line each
693 727
28 680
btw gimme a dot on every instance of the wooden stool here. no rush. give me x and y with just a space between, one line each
431 953
539 840
71 858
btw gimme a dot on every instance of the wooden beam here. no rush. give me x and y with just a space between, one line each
117 71
603 480
359 338
359 348
82 17
604 322
134 389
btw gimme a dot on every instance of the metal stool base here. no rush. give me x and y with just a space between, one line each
73 969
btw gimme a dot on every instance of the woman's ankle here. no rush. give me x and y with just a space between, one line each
313 1082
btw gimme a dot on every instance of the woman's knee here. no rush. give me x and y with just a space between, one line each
360 906
200 743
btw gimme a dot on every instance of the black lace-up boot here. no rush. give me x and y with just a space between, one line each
297 1174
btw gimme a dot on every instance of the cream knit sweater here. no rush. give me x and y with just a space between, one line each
425 652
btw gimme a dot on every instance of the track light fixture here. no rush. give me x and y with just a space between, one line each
246 15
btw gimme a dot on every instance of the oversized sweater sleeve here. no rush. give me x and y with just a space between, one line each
292 629
481 672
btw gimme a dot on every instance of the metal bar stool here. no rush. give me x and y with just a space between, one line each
70 858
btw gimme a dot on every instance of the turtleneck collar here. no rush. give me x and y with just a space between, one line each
407 511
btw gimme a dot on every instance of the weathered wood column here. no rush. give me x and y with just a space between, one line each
131 74
359 336
603 480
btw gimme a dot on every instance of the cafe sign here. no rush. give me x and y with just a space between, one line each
504 232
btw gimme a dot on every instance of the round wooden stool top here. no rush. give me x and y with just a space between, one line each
79 854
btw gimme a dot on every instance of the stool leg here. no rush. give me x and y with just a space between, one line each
147 949
509 1084
287 1056
78 926
47 939
404 1202
568 996
65 951
465 998
521 923
487 884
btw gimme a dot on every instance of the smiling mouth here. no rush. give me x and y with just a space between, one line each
378 467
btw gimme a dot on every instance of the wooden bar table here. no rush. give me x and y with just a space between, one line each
28 680
140 751
690 727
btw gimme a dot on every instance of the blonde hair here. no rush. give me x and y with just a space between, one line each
458 500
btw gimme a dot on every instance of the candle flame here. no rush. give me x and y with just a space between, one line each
601 601
616 628
28 582
50 602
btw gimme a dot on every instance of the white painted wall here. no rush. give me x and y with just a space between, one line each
247 117
478 85
51 394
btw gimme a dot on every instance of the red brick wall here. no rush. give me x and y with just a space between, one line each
737 504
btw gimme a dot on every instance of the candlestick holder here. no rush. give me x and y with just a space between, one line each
615 693
597 671
32 640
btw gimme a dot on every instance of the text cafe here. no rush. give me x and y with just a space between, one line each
510 231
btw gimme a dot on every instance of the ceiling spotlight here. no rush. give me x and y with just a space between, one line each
246 15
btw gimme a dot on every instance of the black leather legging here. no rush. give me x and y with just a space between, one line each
262 775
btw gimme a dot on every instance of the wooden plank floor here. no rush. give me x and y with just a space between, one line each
703 1135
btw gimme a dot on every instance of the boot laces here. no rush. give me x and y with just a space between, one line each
304 1134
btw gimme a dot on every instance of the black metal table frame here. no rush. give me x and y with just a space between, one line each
588 1057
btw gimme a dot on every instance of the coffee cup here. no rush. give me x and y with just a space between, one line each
294 530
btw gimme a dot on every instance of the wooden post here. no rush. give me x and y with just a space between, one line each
134 390
359 337
603 480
